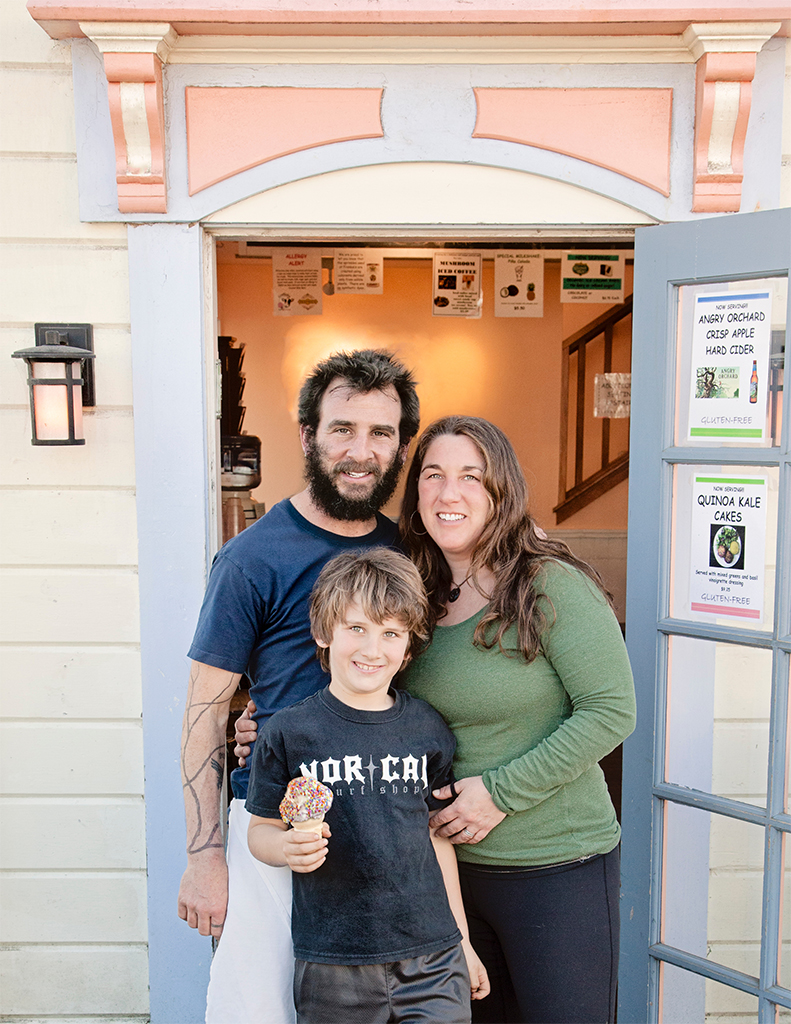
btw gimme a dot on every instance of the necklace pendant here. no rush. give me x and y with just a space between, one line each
454 594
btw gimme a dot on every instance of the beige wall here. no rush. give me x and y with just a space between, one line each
72 849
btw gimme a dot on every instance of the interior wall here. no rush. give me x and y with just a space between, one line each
507 370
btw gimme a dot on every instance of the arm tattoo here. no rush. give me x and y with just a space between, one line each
214 761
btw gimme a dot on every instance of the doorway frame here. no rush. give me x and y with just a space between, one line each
173 308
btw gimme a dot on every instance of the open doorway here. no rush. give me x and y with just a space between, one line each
519 372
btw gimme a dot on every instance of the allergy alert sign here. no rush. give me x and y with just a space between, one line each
728 542
731 338
296 282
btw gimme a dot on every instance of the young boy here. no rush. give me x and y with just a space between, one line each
377 935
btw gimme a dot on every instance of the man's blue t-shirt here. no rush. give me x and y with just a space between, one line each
254 617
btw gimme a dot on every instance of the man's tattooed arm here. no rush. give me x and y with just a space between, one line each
203 893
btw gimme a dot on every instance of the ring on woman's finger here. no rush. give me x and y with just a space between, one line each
466 832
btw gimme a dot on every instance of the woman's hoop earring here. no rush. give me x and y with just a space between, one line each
412 527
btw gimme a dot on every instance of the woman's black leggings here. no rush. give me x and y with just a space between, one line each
548 938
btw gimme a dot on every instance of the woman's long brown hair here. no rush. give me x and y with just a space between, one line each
509 546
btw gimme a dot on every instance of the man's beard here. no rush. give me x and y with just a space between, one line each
329 499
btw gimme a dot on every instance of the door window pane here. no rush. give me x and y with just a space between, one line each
723 545
784 972
729 370
687 997
712 887
719 701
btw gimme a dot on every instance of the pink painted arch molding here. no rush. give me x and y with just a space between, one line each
231 129
624 130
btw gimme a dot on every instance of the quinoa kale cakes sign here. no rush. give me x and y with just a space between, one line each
730 365
728 540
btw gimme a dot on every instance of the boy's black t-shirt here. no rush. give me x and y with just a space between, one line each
379 896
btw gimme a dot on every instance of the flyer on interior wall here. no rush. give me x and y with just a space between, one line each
728 541
591 276
731 341
296 282
457 283
358 271
519 283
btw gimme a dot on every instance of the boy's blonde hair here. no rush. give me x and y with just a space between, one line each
387 585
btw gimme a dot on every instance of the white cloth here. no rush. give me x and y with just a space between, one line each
252 972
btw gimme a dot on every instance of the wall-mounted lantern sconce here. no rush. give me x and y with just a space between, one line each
59 386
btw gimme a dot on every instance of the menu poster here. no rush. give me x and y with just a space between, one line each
728 541
519 283
296 282
731 342
358 271
591 276
457 283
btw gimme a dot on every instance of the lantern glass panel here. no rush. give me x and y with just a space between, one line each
51 403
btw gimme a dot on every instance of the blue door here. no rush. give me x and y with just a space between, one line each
706 916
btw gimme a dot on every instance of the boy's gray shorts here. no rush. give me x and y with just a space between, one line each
431 989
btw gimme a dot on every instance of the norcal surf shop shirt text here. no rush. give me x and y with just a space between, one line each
379 896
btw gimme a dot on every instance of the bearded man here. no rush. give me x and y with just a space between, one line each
357 415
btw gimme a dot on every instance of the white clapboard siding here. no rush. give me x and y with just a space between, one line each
21 41
106 459
71 682
56 214
69 527
735 844
101 758
47 907
86 833
740 759
58 980
44 123
61 605
84 283
735 905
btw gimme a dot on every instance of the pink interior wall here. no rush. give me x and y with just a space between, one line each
507 370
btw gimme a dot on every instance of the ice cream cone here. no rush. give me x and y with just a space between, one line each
311 825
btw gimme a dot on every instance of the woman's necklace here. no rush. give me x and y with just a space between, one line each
456 590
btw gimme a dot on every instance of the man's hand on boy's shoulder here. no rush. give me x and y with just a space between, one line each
305 851
246 730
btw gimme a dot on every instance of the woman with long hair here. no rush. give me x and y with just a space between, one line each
528 667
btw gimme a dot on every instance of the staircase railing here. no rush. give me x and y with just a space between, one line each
609 471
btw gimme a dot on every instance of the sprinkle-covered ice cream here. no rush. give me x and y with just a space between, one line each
306 799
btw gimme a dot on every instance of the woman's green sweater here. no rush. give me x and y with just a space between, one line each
536 732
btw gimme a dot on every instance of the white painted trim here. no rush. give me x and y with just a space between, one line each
729 37
212 390
131 37
723 127
323 49
392 234
135 122
428 192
